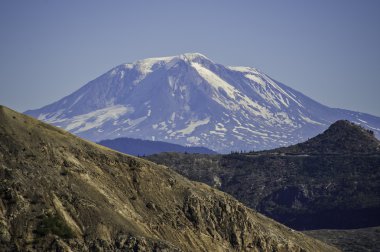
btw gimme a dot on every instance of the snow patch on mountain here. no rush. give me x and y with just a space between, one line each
308 120
191 127
84 122
217 83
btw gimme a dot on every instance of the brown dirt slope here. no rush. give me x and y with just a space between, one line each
61 193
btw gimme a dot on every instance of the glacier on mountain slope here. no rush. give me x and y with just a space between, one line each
190 100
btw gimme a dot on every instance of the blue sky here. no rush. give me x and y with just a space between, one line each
329 50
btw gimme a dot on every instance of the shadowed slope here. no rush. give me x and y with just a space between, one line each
59 192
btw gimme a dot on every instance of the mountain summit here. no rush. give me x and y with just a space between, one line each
342 137
191 100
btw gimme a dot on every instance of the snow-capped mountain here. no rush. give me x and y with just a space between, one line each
190 100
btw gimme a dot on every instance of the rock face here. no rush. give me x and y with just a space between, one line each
191 100
61 193
331 181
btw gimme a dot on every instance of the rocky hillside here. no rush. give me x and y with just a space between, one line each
342 137
61 193
330 181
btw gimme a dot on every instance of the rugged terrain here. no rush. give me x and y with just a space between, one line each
190 100
138 147
353 240
61 193
331 181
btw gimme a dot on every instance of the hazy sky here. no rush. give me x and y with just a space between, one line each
329 50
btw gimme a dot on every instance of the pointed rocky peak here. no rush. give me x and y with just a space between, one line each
341 128
342 137
346 132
